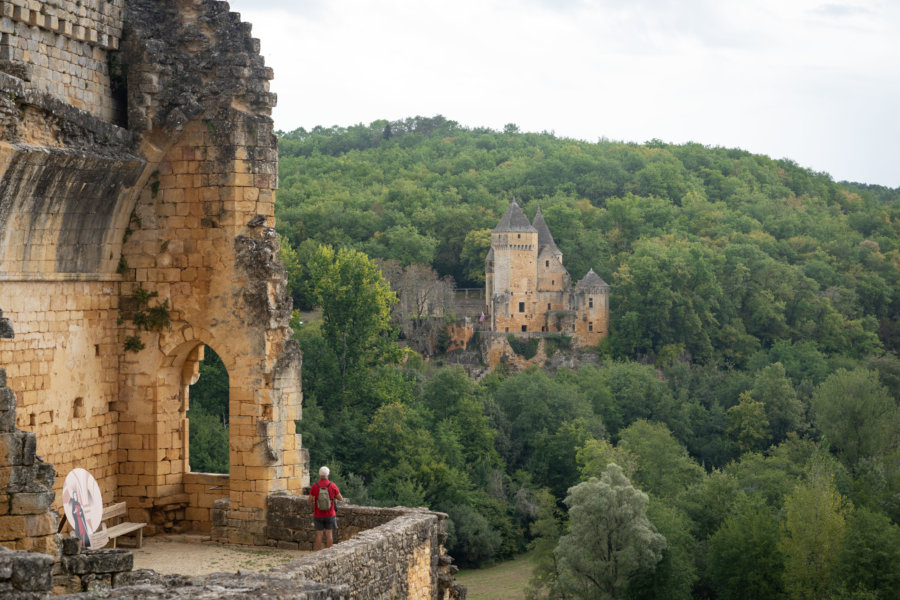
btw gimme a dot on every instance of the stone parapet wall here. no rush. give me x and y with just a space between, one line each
98 22
60 46
384 553
290 522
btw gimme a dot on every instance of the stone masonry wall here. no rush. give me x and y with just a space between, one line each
203 243
61 46
204 489
63 366
26 521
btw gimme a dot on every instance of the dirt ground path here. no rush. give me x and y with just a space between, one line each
197 555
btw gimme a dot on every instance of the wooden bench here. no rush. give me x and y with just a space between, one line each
115 513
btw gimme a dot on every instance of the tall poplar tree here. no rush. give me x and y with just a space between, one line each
812 535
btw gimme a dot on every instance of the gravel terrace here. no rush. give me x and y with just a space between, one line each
198 555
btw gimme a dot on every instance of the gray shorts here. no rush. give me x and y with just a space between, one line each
325 523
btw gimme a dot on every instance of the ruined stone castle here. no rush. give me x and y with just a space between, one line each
138 168
529 291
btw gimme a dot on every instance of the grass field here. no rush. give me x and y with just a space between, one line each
504 581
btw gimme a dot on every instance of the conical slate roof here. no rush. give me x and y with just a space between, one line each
592 280
544 236
513 220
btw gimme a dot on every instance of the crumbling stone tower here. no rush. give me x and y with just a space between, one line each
528 289
137 181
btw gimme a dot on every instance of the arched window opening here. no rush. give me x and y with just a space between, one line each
208 416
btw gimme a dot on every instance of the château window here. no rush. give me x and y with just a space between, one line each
590 303
546 263
552 282
548 306
518 236
507 329
521 307
590 326
524 327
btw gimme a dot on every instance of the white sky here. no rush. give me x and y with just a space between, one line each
814 81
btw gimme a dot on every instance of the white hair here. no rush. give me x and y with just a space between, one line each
324 472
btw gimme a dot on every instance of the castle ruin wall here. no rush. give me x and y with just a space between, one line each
138 173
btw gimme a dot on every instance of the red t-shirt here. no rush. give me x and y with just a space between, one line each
333 491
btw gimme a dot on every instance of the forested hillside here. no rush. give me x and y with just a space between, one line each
748 392
715 252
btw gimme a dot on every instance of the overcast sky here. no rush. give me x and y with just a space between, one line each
814 81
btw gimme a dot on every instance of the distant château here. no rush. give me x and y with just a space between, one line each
528 289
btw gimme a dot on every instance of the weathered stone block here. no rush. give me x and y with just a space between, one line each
31 503
7 420
96 582
105 560
7 397
31 572
37 478
29 448
11 527
42 524
71 545
11 448
48 544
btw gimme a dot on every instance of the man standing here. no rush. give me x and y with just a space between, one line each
322 495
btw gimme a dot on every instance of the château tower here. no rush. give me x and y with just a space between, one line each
528 289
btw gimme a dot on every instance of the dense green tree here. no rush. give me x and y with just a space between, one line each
870 555
748 425
474 251
709 502
452 400
666 294
743 559
356 303
674 575
535 404
209 444
609 539
857 415
208 416
772 475
812 535
209 394
594 455
546 528
472 536
623 392
664 467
